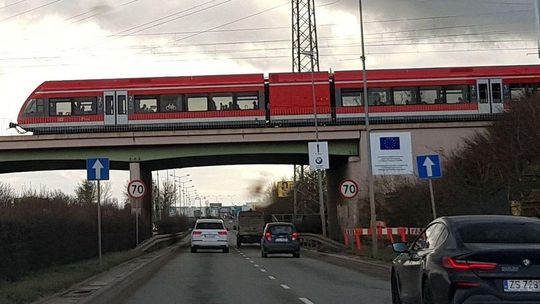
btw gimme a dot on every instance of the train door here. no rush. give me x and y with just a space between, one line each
490 95
115 107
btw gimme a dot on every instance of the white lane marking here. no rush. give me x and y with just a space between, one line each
263 270
305 301
271 277
256 265
254 261
284 286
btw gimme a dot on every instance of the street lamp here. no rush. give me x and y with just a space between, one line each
319 177
180 184
373 214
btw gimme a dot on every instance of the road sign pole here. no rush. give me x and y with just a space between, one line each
136 223
99 223
294 196
432 199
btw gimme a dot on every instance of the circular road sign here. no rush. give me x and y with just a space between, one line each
348 188
136 189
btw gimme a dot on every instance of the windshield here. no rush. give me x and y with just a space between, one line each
207 226
509 233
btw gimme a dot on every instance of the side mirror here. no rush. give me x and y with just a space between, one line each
400 247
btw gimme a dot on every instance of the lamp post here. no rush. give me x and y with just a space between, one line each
179 179
319 177
371 191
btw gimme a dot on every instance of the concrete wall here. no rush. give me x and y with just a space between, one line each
440 140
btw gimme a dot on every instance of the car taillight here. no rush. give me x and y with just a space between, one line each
197 232
268 236
224 232
295 236
466 285
452 263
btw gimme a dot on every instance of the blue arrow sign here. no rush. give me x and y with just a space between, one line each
429 166
97 169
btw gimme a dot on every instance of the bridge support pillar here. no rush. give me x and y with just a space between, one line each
145 217
347 210
333 178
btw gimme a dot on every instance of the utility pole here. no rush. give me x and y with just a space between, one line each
305 58
371 190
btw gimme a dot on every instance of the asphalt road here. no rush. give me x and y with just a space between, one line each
242 276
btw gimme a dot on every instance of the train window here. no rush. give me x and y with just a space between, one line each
379 97
145 104
457 94
431 95
59 107
483 93
197 104
247 101
496 92
35 107
84 106
404 96
521 91
170 103
221 103
351 98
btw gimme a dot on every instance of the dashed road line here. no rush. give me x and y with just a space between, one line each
284 286
256 265
305 301
271 277
252 261
263 270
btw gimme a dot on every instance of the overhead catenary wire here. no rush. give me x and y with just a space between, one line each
29 10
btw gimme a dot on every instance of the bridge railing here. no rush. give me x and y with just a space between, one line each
319 242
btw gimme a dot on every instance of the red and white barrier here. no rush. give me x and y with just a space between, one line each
356 234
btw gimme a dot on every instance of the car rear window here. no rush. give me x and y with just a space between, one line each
281 229
203 226
512 233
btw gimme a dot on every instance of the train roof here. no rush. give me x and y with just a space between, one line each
441 72
127 83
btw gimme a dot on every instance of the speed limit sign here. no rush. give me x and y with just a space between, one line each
136 189
348 188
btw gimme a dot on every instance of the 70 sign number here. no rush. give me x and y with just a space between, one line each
136 189
348 189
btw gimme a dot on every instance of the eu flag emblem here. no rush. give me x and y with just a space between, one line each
389 143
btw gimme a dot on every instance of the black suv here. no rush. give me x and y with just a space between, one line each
280 238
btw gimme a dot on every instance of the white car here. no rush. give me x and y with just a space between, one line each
209 234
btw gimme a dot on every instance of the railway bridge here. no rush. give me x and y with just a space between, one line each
143 152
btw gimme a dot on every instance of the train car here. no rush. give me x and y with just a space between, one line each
432 94
291 97
145 103
224 101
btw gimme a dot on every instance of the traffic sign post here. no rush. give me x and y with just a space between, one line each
348 189
98 169
429 167
136 190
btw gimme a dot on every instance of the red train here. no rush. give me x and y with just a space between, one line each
396 95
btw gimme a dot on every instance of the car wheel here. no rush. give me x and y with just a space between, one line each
226 250
193 250
296 254
264 254
427 293
396 299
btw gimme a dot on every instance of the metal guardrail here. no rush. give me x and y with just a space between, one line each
319 242
159 240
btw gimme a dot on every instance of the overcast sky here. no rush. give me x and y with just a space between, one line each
73 39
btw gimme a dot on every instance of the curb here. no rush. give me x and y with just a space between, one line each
103 284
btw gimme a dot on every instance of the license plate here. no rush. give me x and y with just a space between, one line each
521 285
210 236
282 240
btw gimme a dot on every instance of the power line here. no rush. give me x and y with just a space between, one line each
30 10
14 3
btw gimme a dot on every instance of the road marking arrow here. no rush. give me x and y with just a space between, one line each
98 166
428 163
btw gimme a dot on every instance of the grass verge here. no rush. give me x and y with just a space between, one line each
57 278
